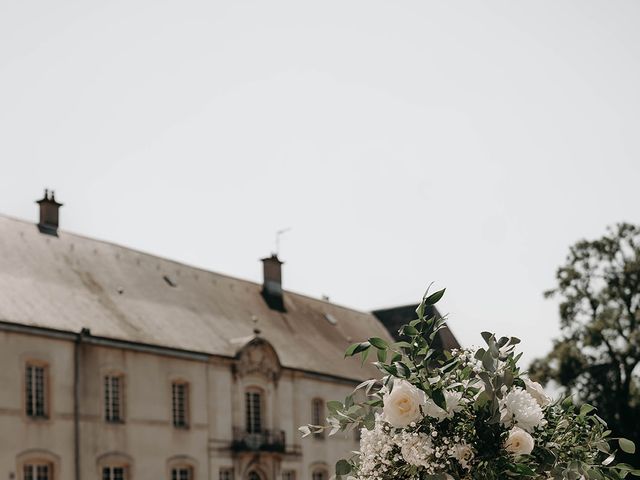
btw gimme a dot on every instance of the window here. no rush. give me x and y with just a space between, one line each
180 400
253 475
181 473
35 391
253 400
226 474
113 385
37 471
317 415
288 475
114 473
319 475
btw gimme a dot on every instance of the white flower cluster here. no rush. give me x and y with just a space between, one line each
411 432
376 447
384 448
432 451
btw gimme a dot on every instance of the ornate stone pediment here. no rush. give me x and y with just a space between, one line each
258 357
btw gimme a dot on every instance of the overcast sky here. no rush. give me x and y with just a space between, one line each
404 142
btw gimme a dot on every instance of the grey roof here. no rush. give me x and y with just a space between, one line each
72 282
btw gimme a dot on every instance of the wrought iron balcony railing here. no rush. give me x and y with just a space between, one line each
265 440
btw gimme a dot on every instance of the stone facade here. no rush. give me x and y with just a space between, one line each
145 442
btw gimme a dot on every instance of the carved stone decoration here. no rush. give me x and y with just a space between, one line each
258 357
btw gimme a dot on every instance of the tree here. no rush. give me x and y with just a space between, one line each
597 356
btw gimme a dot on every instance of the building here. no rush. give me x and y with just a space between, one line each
116 365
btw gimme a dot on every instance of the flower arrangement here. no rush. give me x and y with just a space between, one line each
465 414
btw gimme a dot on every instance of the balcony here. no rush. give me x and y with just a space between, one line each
264 441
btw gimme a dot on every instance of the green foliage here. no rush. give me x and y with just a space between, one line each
598 355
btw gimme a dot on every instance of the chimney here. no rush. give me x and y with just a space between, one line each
49 213
272 285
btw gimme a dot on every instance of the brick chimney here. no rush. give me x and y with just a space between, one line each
272 284
49 213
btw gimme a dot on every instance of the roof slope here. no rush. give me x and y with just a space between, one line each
71 282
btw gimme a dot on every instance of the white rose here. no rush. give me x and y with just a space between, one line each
537 392
519 442
402 404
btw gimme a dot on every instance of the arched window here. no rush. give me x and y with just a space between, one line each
37 470
181 467
253 475
37 465
114 466
317 415
118 472
319 474
225 473
288 475
253 408
182 473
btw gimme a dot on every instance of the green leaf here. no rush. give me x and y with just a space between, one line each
438 398
343 467
403 370
434 297
567 402
369 420
356 348
410 331
382 355
378 343
488 363
585 409
486 336
365 354
627 446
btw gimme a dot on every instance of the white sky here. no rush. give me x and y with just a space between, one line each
466 143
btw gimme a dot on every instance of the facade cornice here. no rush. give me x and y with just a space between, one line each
90 339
